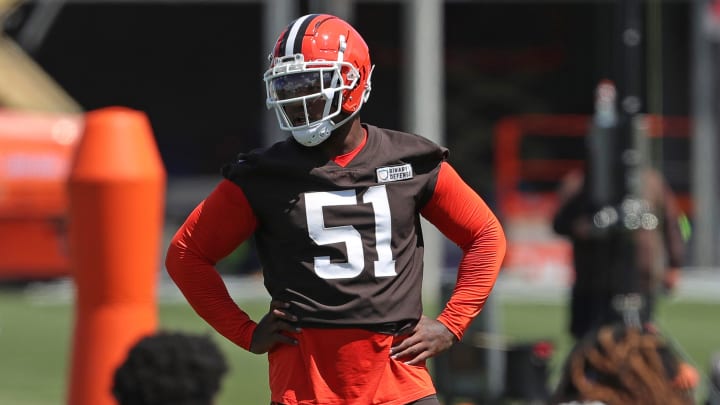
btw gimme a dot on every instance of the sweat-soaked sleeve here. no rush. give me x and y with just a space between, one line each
463 217
211 232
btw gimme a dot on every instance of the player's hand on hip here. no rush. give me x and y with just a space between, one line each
274 328
428 338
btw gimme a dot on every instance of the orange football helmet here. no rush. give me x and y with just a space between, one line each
319 76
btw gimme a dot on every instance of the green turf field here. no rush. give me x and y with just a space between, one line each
35 337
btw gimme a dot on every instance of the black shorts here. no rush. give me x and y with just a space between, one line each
590 311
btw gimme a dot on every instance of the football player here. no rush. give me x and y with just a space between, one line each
335 212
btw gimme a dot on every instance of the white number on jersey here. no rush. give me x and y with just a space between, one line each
322 235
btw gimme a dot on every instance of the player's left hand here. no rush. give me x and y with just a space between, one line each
428 339
274 328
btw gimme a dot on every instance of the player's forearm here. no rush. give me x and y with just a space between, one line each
206 292
211 232
462 216
477 274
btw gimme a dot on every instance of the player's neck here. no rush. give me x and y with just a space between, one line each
344 139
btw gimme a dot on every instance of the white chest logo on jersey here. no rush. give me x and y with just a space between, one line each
394 173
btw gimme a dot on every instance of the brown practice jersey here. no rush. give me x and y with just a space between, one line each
343 245
341 240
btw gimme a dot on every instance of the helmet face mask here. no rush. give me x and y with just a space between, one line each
305 93
318 78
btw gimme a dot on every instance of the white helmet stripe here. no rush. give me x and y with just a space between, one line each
293 33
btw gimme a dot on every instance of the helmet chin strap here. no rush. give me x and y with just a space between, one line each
320 131
315 134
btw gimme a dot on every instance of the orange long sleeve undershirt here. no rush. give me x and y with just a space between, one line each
464 218
212 231
224 220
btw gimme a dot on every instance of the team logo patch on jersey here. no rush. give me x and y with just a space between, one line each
394 173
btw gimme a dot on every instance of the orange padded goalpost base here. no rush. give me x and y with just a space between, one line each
116 211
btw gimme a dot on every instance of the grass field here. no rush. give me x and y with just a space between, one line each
35 337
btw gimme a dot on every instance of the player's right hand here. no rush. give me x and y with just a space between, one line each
274 328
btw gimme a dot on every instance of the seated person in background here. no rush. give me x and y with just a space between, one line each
170 369
625 365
